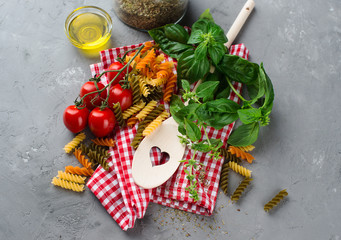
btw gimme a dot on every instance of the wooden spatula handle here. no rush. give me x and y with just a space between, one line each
239 22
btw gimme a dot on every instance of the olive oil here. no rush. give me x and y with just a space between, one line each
89 30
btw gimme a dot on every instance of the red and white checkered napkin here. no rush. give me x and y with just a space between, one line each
116 190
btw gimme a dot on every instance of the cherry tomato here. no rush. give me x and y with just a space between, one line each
89 87
75 119
116 66
123 96
101 122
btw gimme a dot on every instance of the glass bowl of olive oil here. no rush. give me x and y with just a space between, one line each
88 27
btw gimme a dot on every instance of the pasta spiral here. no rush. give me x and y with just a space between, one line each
229 156
169 89
68 185
146 110
74 142
109 142
240 189
132 121
247 148
81 158
135 87
143 86
155 123
71 177
99 159
142 125
79 171
224 177
118 114
85 149
99 149
133 109
240 153
276 200
239 169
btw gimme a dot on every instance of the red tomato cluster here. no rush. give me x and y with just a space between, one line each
101 121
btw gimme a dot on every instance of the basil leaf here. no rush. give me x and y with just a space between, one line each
218 113
250 115
207 15
185 85
196 37
216 51
175 106
256 90
239 69
191 69
201 51
244 135
218 33
206 90
176 33
188 112
216 143
202 146
192 130
201 24
223 90
181 129
171 48
269 92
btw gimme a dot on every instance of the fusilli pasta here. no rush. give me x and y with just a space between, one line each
239 169
276 200
109 142
81 158
68 185
146 110
79 171
240 153
74 143
118 114
133 109
71 177
224 177
155 123
240 189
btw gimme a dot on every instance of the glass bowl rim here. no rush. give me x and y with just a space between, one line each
78 11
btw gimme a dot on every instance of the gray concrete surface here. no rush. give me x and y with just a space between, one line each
41 73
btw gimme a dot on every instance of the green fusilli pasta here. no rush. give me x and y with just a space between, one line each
276 200
240 189
118 114
224 177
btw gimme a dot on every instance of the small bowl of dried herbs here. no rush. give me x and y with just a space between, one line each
148 14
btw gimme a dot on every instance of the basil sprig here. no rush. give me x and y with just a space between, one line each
196 53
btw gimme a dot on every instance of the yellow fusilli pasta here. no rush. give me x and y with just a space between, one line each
68 185
240 169
154 124
146 110
71 177
133 109
247 148
74 143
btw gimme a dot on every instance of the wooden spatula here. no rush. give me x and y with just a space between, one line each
165 137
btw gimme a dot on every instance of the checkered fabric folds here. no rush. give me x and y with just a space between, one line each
116 190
